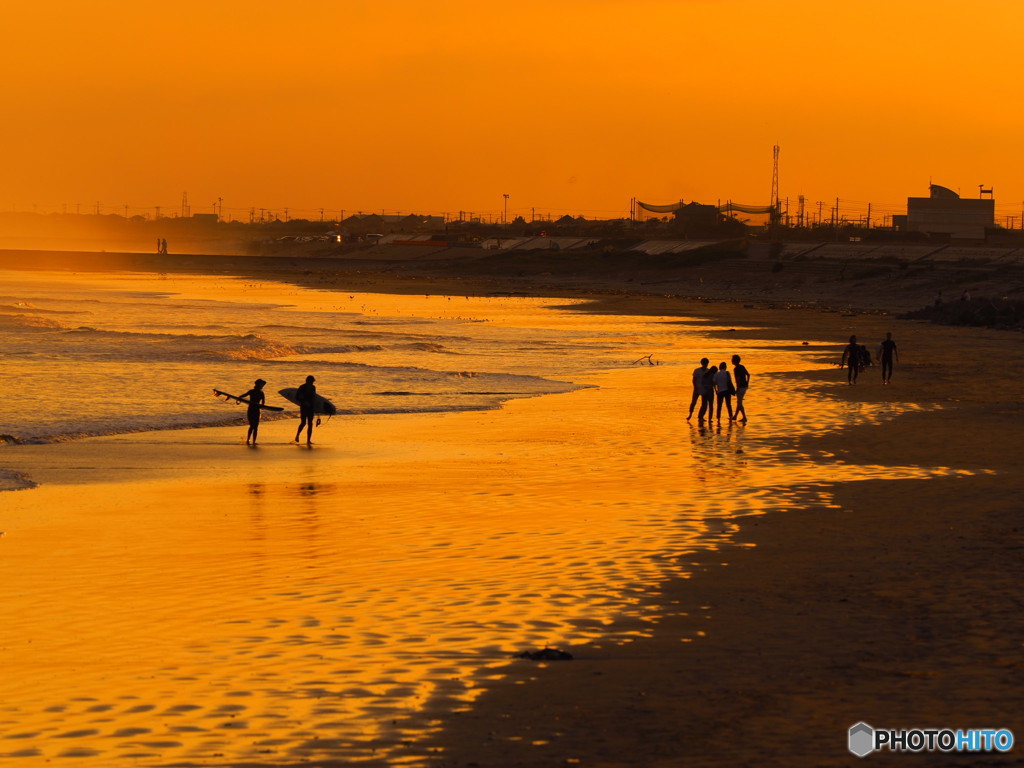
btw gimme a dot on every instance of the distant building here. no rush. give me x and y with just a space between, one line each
946 214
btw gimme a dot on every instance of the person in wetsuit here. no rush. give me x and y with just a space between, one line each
306 397
256 398
851 360
887 354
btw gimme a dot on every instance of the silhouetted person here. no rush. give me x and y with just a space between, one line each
887 353
724 390
306 397
698 385
707 395
742 377
163 246
256 398
851 360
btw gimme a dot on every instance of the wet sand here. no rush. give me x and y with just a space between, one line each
895 603
892 601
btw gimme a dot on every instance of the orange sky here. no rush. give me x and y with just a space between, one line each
565 105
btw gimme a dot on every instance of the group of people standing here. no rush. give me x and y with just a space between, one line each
714 386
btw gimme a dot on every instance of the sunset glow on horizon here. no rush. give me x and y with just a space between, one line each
572 106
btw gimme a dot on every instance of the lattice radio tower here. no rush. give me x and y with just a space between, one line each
776 207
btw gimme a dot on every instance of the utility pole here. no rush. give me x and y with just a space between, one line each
504 214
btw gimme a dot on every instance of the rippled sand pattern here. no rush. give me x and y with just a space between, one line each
336 604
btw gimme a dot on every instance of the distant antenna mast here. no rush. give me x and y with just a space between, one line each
184 205
776 210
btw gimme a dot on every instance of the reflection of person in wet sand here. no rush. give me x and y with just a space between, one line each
851 360
742 383
256 398
887 353
724 390
698 385
306 398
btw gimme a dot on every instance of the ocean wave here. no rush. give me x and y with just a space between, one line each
347 348
14 481
127 345
125 428
426 346
27 306
29 323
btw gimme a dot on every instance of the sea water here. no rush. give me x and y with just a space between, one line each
318 615
88 355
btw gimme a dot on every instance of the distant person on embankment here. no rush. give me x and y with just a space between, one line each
306 398
887 353
256 398
742 378
698 386
851 360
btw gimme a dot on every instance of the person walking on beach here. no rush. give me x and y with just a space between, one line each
707 395
724 390
306 398
851 360
698 385
887 353
742 378
256 398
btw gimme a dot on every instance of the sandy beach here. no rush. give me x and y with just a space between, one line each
856 558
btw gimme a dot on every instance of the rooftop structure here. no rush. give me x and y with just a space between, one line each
945 213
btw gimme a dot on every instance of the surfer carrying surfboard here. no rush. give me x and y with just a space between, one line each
305 398
256 398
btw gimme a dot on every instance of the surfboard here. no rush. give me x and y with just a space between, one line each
321 405
226 396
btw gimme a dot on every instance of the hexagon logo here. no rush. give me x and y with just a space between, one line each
861 739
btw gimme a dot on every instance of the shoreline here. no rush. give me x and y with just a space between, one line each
822 617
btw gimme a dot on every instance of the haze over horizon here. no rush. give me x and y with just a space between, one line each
570 107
